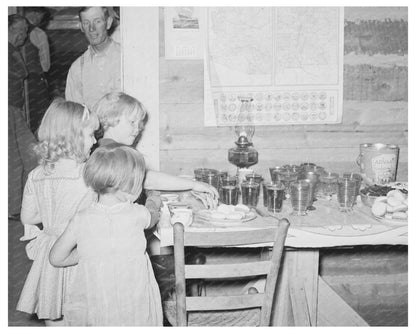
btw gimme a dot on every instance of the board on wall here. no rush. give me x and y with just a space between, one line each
140 52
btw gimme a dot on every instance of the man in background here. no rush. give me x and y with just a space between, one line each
98 70
37 59
38 37
17 35
20 139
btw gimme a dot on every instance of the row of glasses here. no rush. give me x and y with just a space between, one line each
306 179
226 185
301 195
273 193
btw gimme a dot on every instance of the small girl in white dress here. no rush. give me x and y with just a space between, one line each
115 284
53 193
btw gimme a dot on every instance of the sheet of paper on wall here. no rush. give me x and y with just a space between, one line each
288 60
183 34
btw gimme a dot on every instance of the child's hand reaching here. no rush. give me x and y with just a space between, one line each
205 188
206 193
154 204
153 201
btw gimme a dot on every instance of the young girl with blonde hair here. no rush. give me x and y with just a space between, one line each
122 118
115 284
53 193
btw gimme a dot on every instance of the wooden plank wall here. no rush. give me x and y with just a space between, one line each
375 106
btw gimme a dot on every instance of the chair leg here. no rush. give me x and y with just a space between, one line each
202 288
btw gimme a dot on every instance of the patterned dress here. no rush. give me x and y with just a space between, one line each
115 284
50 199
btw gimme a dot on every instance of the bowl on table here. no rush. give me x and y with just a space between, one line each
367 199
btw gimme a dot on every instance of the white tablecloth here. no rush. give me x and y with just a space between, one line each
324 227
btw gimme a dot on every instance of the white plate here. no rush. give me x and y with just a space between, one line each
205 216
391 221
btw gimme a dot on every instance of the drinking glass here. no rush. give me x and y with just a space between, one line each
291 167
250 193
264 186
229 194
313 177
271 170
221 176
307 165
255 177
287 177
358 180
314 168
211 178
346 193
200 172
229 180
275 195
275 174
300 196
328 184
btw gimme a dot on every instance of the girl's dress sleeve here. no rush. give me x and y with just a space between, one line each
30 213
143 216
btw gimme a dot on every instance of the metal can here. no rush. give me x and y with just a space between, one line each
378 163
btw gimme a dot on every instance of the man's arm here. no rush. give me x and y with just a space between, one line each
39 38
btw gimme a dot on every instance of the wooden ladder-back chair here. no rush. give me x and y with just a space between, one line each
239 310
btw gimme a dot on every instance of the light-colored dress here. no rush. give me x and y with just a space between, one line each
53 200
115 284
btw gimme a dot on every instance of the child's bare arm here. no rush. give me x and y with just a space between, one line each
153 204
63 252
161 181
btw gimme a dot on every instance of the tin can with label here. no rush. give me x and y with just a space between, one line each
378 163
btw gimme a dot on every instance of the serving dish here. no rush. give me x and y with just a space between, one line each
206 216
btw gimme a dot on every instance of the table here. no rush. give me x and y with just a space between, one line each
303 298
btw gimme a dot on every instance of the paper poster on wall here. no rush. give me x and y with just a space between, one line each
183 34
288 60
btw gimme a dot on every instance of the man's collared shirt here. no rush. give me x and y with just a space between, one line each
94 74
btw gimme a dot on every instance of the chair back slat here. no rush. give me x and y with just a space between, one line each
227 271
227 238
270 268
208 303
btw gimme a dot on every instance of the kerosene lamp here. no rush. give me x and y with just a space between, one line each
244 155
